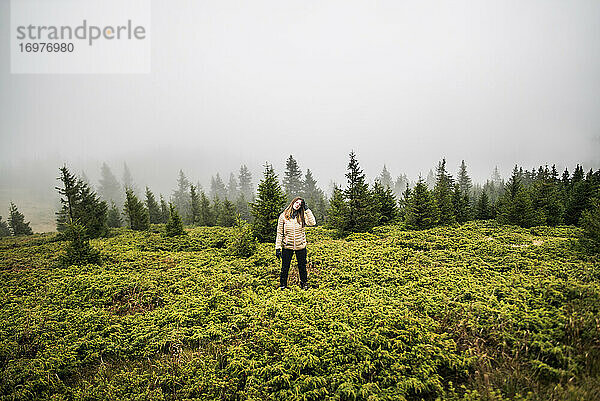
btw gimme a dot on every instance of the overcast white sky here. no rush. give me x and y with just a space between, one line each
401 82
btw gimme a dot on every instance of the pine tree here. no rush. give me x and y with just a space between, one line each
174 225
110 189
227 215
442 193
400 185
314 197
268 205
113 217
362 212
430 180
337 213
464 181
387 206
461 204
91 212
16 222
232 187
181 196
578 196
292 179
515 206
482 209
547 199
243 207
403 202
154 212
4 230
128 180
385 178
164 211
70 192
80 205
217 187
422 211
245 180
216 210
194 206
135 213
207 218
79 251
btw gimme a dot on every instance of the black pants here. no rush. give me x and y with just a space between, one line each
286 259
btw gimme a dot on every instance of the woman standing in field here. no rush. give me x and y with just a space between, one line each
291 237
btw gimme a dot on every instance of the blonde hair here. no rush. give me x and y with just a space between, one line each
287 212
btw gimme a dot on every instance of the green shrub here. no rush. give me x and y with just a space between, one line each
243 242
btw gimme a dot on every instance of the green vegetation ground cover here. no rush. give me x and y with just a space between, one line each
477 311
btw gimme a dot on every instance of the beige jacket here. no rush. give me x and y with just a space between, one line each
290 233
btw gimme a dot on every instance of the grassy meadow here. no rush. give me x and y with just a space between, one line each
478 311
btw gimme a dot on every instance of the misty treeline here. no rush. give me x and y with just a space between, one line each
540 196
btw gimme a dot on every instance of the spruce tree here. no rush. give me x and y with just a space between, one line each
164 211
314 197
80 205
4 230
154 212
243 207
174 225
268 205
79 251
482 208
337 213
70 192
387 205
431 180
91 212
362 211
385 178
128 180
400 185
461 204
464 181
113 217
216 210
515 206
403 203
109 189
181 196
245 180
578 196
217 187
228 214
135 213
547 199
442 193
422 210
206 218
292 179
232 187
194 217
16 222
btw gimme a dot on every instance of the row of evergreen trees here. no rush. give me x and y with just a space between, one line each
216 208
536 197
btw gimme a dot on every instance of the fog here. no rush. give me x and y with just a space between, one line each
405 84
